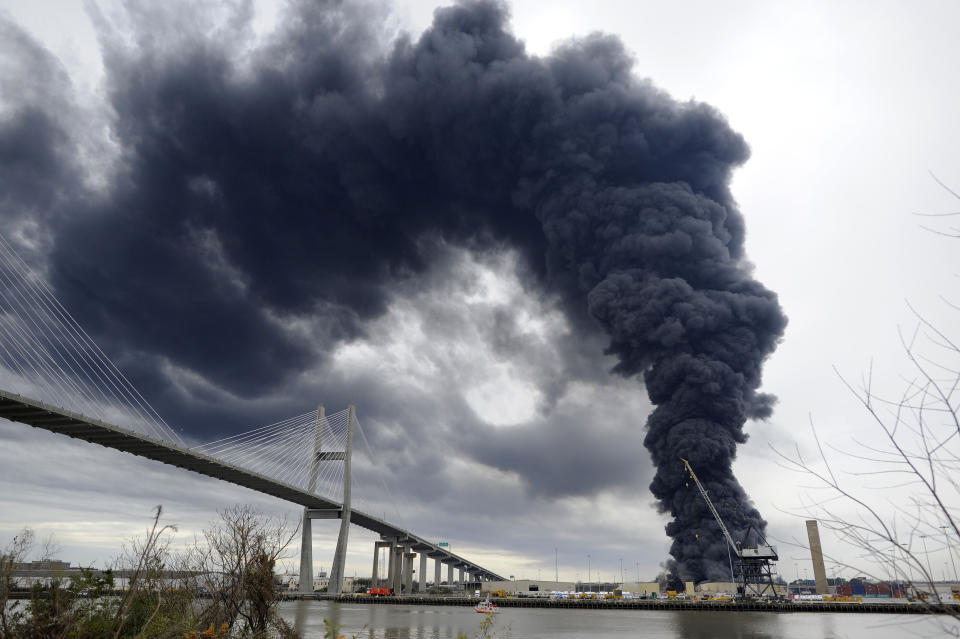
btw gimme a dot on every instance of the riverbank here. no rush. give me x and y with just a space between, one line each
891 608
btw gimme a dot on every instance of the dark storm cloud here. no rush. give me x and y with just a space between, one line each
309 177
37 169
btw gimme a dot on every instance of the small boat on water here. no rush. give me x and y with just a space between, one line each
486 607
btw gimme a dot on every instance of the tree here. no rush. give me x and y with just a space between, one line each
917 446
237 558
234 561
14 554
146 593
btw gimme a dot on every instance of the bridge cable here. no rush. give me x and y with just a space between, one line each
67 345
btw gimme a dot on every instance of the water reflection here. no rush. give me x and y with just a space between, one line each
705 624
369 621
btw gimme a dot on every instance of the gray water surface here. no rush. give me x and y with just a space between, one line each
444 622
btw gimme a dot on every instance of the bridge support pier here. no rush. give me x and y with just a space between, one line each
396 564
460 575
306 555
408 570
436 571
422 578
450 574
375 575
388 558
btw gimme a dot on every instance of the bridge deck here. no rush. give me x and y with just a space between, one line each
58 420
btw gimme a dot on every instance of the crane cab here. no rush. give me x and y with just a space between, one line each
759 552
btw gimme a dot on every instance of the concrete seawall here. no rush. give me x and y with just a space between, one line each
642 604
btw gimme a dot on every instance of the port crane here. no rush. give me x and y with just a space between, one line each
754 566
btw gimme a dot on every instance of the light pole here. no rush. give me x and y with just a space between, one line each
556 565
621 571
893 559
926 552
588 573
946 538
930 576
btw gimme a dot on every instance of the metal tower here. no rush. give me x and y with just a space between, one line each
754 566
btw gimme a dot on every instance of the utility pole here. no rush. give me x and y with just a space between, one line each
926 552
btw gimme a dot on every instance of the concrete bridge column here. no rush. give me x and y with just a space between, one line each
408 571
422 579
460 575
390 561
397 563
450 574
306 555
436 571
374 576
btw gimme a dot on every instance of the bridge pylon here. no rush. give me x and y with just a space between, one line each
335 584
306 528
335 581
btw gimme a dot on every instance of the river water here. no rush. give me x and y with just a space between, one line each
444 622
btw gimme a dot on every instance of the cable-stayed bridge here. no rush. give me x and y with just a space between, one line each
53 376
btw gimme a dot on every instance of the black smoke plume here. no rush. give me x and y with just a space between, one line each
258 183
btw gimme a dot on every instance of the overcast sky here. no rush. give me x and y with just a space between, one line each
497 421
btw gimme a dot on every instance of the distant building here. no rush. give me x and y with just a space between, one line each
320 582
526 586
30 573
652 587
44 564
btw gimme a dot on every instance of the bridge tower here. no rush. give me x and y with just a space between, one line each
335 582
306 529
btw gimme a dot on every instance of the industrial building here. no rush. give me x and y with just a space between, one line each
651 587
526 586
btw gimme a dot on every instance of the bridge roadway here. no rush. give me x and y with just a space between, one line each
58 420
